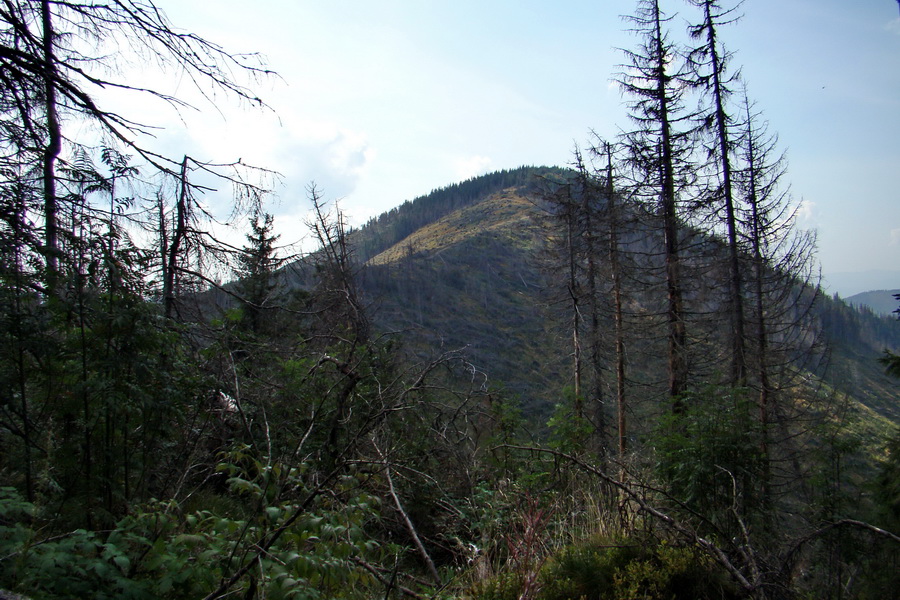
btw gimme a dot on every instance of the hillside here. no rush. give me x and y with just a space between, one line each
394 226
881 302
471 280
475 276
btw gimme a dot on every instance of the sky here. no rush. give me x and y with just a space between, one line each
381 102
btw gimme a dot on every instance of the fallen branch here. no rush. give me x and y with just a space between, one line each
408 522
387 583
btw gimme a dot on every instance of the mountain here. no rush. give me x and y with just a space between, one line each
471 279
882 302
851 283
466 267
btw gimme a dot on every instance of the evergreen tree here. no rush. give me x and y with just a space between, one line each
257 265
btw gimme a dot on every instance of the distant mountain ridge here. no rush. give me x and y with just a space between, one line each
881 302
851 283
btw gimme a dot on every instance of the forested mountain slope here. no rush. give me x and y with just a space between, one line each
471 280
881 302
473 272
858 337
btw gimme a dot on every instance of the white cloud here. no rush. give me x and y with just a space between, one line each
895 237
807 212
349 152
302 151
472 166
894 26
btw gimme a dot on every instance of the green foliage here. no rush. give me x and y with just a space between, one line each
673 572
506 426
835 495
891 363
618 569
101 386
158 552
710 457
569 432
258 262
79 564
887 485
505 586
586 570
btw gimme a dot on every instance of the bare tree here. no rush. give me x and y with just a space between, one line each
591 209
614 221
52 73
657 151
709 62
784 337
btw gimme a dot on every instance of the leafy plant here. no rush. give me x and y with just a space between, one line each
672 572
586 570
710 457
157 552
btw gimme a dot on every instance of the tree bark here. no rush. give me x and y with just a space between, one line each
51 152
677 337
170 270
736 302
616 275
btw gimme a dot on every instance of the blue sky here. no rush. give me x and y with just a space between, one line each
380 102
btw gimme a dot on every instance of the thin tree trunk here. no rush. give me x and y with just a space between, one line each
597 387
409 524
20 349
163 241
738 360
51 152
576 309
170 268
761 337
675 312
615 268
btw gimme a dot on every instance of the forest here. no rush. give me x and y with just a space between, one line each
182 416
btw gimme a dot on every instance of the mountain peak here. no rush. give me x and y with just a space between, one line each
502 210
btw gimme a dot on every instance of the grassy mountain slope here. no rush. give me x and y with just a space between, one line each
470 280
468 273
394 226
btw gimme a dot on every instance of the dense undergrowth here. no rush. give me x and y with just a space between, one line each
165 435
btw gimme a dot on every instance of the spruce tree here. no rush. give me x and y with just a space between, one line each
657 150
257 264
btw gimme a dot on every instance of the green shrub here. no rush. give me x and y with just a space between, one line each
710 458
586 570
160 552
505 586
633 569
674 573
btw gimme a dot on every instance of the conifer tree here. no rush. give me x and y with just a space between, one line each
709 62
257 264
654 78
783 279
